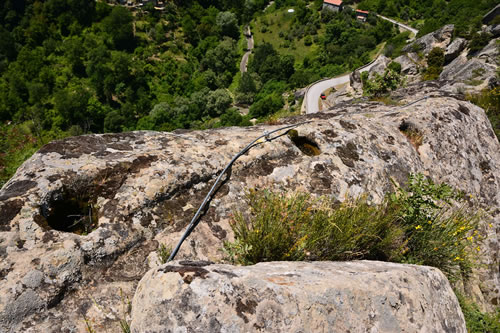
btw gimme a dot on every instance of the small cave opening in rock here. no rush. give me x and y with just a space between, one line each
412 133
69 212
306 145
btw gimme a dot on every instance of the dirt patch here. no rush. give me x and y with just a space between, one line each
17 189
188 273
8 211
330 133
348 154
245 307
347 125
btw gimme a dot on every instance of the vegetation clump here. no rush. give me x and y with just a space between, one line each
435 63
426 224
382 85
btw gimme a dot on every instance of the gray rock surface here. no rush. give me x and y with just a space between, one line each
454 49
144 187
379 66
360 296
440 38
409 64
355 81
474 74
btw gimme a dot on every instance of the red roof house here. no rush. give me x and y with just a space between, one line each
335 5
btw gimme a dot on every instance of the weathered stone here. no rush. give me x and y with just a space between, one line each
355 80
454 49
144 187
409 65
360 296
473 74
379 66
440 38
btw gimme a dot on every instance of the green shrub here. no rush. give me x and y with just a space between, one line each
298 227
489 100
435 62
163 253
395 66
420 225
439 229
381 85
476 320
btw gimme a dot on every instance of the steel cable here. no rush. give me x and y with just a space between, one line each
196 218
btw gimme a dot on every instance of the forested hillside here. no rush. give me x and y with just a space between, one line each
430 15
70 67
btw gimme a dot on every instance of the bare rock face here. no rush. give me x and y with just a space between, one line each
355 80
473 74
440 38
379 66
409 64
360 296
454 49
80 221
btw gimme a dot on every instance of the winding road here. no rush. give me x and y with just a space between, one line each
314 91
401 25
244 60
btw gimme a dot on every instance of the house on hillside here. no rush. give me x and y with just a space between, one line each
361 15
335 5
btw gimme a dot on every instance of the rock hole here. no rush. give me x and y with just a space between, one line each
306 145
69 212
412 133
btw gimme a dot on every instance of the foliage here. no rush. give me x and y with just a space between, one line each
381 85
476 320
394 45
489 100
297 227
478 41
163 253
435 62
439 229
430 15
419 225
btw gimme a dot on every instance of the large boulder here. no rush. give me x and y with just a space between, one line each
362 296
379 66
409 64
474 74
81 220
454 49
440 38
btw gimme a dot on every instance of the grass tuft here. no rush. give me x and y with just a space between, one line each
426 224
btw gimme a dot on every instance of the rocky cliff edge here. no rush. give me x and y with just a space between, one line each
80 221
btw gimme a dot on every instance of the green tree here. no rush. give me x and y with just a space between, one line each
217 102
119 27
228 24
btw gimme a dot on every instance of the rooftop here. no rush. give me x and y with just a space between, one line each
333 2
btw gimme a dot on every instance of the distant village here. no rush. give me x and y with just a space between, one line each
334 5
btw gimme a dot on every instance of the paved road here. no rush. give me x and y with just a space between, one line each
314 92
244 60
404 26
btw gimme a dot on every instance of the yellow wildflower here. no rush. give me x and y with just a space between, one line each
470 238
456 258
430 222
418 227
435 249
478 249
